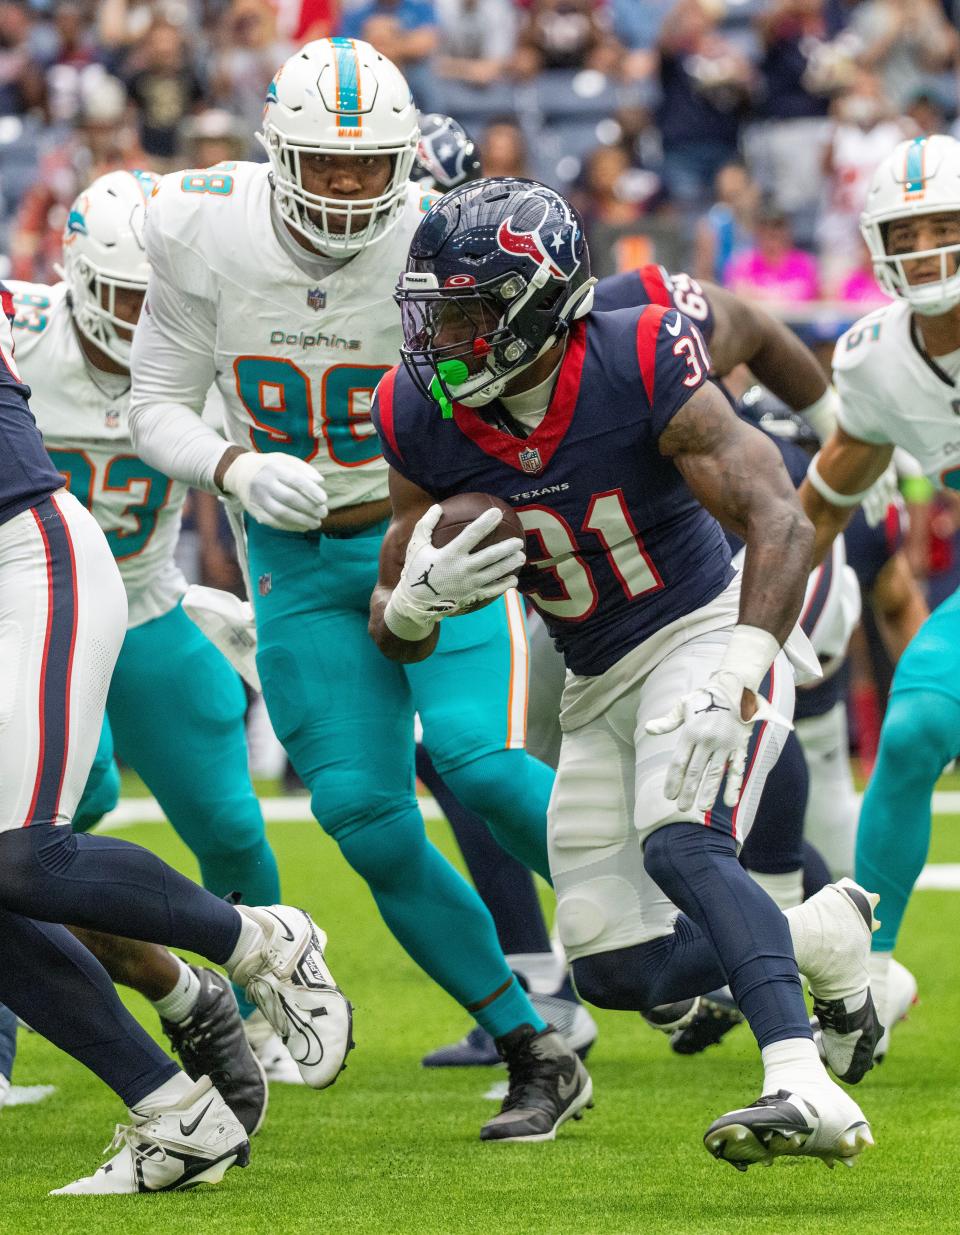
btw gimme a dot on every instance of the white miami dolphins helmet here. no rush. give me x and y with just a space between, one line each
339 96
920 177
103 252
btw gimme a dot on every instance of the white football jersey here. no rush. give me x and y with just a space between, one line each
297 358
890 391
85 430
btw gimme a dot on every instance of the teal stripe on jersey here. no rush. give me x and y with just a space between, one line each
348 83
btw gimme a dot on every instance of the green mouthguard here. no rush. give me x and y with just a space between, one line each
453 372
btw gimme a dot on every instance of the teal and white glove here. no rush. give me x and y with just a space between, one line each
441 582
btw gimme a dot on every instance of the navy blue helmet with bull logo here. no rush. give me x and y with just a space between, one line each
497 272
447 155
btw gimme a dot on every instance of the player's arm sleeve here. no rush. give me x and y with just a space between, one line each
172 369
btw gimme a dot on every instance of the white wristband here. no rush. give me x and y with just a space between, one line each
822 415
749 655
400 621
831 495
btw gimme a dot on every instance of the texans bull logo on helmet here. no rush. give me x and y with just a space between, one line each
529 243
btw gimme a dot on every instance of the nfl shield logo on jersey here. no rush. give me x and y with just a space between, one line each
317 299
530 461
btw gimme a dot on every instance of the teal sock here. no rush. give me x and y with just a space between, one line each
437 916
510 1008
510 790
920 735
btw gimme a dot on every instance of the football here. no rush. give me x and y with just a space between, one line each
461 510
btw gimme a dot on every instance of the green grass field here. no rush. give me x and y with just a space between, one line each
394 1148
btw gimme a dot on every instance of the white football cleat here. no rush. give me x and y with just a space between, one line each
4 1091
288 979
194 1142
900 996
276 1061
831 935
829 1126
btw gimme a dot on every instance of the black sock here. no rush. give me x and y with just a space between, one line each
105 884
816 873
50 980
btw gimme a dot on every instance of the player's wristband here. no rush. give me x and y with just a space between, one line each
404 621
831 495
822 415
749 655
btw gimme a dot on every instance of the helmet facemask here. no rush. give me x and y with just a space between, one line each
93 303
465 344
930 298
364 220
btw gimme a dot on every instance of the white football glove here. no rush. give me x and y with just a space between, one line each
441 582
712 740
278 489
879 497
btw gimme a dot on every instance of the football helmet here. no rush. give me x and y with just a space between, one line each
339 96
920 177
103 252
497 272
447 155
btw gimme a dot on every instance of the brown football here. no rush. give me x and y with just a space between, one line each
462 509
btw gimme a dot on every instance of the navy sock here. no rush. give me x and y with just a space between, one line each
61 990
54 875
816 873
697 868
775 843
505 887
8 1042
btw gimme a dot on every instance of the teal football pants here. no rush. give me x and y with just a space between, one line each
346 716
176 711
919 737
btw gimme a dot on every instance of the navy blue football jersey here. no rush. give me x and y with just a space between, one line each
27 475
617 544
654 285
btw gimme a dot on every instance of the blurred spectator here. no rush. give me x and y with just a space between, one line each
864 131
165 88
774 269
908 42
251 54
565 34
214 136
405 31
103 141
859 287
706 83
616 205
504 150
22 84
73 53
302 21
476 39
927 112
637 27
727 229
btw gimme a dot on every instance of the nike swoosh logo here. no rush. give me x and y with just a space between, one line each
675 328
568 1085
285 930
190 1128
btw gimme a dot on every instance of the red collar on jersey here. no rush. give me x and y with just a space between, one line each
550 432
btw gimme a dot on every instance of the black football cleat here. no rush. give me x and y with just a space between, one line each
714 1019
669 1017
211 1042
548 1085
478 1049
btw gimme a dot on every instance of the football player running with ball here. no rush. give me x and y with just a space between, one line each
277 282
602 431
897 372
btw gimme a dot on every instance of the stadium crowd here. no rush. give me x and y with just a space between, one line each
730 138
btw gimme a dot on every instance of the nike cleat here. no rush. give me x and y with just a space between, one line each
670 1017
194 1142
288 979
714 1019
548 1085
781 1125
275 1059
901 996
832 933
211 1043
478 1049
